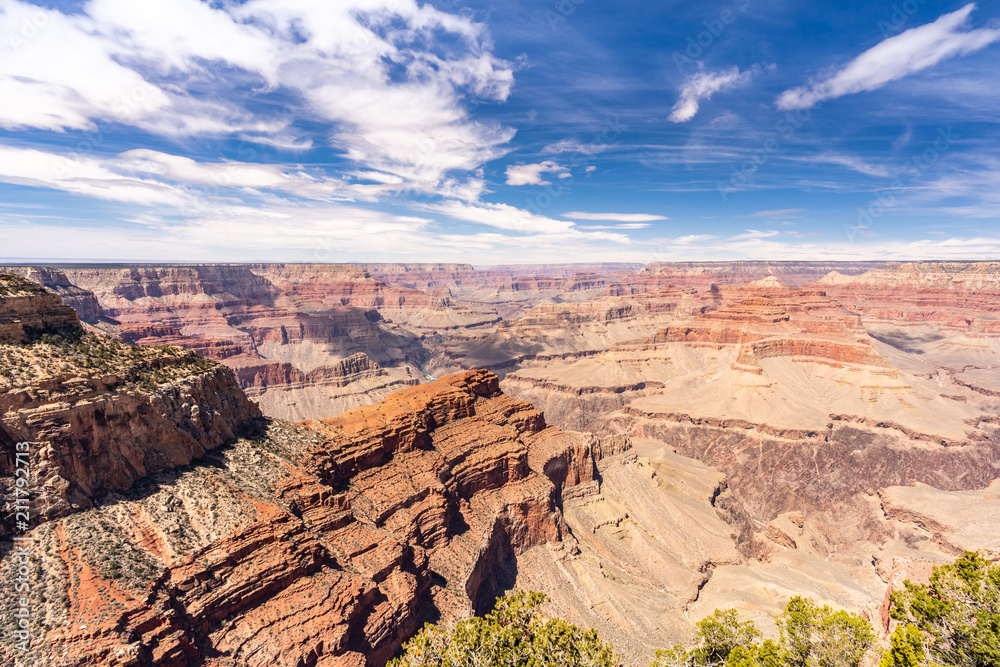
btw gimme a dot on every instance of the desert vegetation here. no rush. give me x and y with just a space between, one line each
515 633
953 620
75 353
11 285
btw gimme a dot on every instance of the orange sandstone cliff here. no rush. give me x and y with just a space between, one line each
173 526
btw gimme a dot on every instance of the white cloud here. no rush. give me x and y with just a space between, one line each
305 233
778 213
502 216
237 208
531 174
896 57
312 232
187 170
153 178
848 162
614 217
371 71
63 76
630 225
83 176
701 86
754 234
575 146
695 238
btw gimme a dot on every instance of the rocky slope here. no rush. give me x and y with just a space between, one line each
818 439
159 538
82 301
99 414
27 311
810 418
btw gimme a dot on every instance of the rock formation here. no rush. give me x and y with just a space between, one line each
159 538
99 414
82 301
762 429
287 344
702 275
27 310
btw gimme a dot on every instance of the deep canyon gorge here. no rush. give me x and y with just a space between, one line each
293 464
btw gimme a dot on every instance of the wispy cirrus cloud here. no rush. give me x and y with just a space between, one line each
778 213
700 86
754 234
896 57
849 162
627 225
574 146
614 217
502 216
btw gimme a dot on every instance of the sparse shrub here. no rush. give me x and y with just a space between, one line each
514 634
953 619
811 636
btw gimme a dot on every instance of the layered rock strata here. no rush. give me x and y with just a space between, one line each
98 414
82 301
27 310
327 543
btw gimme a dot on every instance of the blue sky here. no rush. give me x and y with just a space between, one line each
570 130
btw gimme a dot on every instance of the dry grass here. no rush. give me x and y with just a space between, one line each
62 356
11 285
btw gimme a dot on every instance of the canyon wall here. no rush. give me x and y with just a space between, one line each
762 429
172 525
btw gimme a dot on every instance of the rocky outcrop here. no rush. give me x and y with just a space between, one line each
258 374
82 301
327 543
27 310
834 352
954 295
99 414
92 435
702 275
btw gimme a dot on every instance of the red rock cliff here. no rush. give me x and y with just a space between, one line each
322 544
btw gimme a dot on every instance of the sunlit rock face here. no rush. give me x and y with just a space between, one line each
760 430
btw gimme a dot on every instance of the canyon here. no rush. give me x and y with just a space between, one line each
254 464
